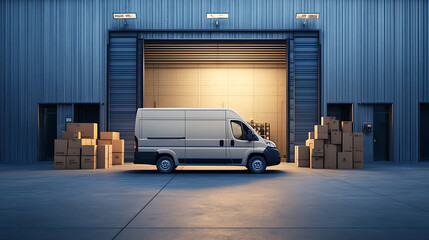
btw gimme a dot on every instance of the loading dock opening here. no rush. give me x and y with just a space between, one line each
249 77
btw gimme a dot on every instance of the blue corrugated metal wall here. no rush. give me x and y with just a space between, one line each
55 51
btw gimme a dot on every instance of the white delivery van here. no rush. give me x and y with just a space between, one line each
169 137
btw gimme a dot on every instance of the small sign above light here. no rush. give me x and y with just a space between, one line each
217 15
307 16
124 15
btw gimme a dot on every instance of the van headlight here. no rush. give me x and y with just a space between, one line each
270 143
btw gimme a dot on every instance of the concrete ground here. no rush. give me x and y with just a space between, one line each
382 201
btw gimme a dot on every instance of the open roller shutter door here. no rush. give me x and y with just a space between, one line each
304 105
122 89
215 53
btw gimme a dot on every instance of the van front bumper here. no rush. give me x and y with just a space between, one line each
272 155
145 157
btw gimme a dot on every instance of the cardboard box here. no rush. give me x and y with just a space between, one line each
60 147
316 152
358 141
307 142
73 152
104 156
347 126
118 146
118 158
60 162
78 143
327 120
336 137
88 130
347 142
345 160
73 162
89 150
310 135
315 143
358 158
71 135
302 152
104 142
109 135
88 162
320 132
316 162
302 163
335 126
330 156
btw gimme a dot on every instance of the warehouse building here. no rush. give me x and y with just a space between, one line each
278 62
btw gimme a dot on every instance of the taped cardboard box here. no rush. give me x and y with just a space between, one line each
345 160
73 162
330 156
101 142
73 152
89 150
347 126
347 142
358 158
60 162
60 147
78 143
336 137
316 162
109 135
118 158
358 141
310 135
320 132
88 130
302 163
71 135
88 162
118 146
104 156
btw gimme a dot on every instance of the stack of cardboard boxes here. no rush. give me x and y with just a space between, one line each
327 147
116 146
78 148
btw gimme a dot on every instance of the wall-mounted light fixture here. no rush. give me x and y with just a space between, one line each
124 17
306 16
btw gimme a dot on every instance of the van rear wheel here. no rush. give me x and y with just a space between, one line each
257 164
165 164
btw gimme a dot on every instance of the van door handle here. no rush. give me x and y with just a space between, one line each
232 143
221 143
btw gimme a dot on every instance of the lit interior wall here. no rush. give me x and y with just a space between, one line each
255 91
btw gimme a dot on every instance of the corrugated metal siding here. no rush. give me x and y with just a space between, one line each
123 89
55 51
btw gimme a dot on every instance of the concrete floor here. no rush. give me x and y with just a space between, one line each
382 201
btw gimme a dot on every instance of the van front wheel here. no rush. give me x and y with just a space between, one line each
165 164
257 164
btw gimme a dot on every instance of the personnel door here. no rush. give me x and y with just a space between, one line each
238 143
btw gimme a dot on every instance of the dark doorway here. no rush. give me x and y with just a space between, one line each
382 116
47 131
424 132
342 112
86 113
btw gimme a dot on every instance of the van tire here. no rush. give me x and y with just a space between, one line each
165 164
257 164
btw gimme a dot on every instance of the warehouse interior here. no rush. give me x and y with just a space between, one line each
249 77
